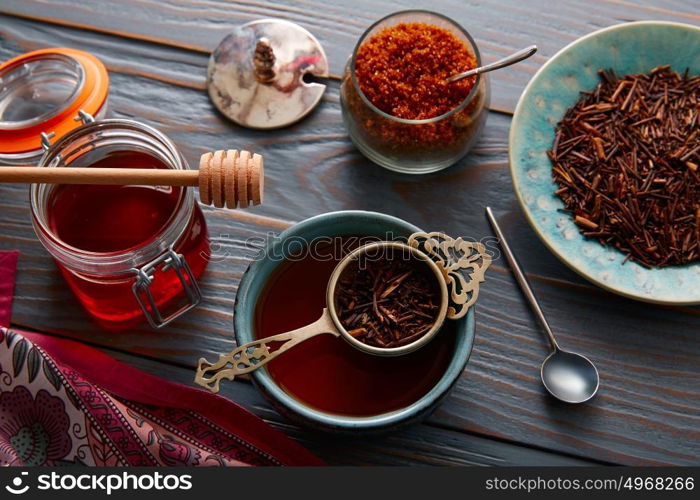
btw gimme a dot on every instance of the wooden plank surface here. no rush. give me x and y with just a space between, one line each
648 409
499 27
421 444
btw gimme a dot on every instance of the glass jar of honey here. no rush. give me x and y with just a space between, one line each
129 253
397 105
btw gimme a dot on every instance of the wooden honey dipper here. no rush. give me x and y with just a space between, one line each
228 178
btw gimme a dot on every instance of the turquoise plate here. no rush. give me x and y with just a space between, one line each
626 48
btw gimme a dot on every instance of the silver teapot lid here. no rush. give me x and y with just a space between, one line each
256 74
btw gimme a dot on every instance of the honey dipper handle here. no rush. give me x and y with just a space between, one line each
253 355
104 176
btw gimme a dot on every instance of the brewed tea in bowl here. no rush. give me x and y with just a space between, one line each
326 383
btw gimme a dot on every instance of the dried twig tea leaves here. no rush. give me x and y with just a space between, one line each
388 302
626 158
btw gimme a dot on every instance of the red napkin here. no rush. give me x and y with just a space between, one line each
62 402
8 266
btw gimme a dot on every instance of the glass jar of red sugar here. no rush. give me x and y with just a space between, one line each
129 253
397 105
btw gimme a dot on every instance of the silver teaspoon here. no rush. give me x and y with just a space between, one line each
567 376
501 63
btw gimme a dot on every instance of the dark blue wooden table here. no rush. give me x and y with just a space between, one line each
648 408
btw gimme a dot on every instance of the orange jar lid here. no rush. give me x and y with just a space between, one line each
42 91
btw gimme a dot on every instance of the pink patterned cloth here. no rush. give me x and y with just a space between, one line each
62 402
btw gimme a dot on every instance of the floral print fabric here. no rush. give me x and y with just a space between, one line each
64 403
51 415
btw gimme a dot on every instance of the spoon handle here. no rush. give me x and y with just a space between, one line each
251 356
520 277
501 63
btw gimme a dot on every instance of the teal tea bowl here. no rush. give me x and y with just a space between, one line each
627 49
264 266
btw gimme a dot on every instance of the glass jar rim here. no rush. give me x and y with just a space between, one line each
89 95
409 121
120 261
69 63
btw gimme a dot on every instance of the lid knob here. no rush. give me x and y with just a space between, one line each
256 74
264 61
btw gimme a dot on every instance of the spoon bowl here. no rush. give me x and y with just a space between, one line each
569 377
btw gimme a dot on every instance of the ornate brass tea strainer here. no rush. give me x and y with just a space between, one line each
442 257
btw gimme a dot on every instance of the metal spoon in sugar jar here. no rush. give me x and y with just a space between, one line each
385 298
501 63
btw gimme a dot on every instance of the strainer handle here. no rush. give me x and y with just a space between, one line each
456 257
253 355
